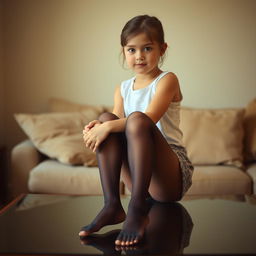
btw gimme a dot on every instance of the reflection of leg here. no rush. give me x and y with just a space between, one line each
141 155
165 229
109 155
169 230
104 243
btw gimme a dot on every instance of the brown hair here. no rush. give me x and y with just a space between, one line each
149 25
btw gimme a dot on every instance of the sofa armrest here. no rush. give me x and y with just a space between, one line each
24 157
251 171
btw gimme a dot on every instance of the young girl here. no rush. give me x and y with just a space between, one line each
141 139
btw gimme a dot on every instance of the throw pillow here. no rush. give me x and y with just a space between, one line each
59 135
250 131
213 136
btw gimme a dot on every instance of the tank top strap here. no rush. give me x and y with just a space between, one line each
126 85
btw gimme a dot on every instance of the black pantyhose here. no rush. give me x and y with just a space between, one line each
109 157
140 146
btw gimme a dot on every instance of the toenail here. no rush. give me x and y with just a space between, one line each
117 242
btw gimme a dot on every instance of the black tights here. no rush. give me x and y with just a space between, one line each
137 145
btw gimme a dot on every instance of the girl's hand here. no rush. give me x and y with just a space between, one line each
91 125
95 136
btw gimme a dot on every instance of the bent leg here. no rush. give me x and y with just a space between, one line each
166 181
109 156
151 162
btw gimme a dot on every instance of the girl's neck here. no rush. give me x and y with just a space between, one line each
142 81
148 77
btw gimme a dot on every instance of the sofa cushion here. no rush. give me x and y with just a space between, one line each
250 131
59 135
251 170
220 180
213 136
50 176
62 105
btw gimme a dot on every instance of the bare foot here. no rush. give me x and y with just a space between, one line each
109 215
135 224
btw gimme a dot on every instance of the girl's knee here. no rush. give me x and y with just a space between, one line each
107 116
137 115
138 122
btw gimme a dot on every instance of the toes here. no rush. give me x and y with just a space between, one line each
136 239
119 238
123 243
127 240
124 239
87 230
83 233
130 240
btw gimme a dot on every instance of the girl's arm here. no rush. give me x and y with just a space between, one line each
168 90
118 110
95 135
119 124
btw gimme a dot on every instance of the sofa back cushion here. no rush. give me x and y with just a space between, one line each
213 136
63 105
250 132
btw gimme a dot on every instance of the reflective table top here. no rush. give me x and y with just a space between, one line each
49 224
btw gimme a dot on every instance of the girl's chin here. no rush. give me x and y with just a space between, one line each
141 71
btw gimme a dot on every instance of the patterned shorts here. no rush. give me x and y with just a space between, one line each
185 165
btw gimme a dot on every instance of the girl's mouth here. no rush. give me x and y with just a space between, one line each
140 65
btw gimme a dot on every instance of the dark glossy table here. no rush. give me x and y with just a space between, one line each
49 225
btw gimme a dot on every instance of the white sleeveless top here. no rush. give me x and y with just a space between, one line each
138 100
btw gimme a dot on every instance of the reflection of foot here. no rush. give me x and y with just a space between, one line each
109 215
105 242
129 250
135 224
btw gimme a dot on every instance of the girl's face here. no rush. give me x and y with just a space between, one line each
142 55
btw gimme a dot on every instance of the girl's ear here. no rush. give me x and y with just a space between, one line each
163 48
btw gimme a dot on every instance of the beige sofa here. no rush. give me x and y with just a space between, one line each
220 142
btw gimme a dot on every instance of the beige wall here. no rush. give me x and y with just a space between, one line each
1 79
70 49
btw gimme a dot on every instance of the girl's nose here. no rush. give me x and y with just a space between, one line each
139 56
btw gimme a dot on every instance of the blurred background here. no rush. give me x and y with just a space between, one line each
70 49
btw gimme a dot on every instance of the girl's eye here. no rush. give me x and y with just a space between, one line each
131 50
147 49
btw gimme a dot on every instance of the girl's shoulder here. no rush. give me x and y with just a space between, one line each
168 79
170 76
169 82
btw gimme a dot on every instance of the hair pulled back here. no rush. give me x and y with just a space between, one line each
149 25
